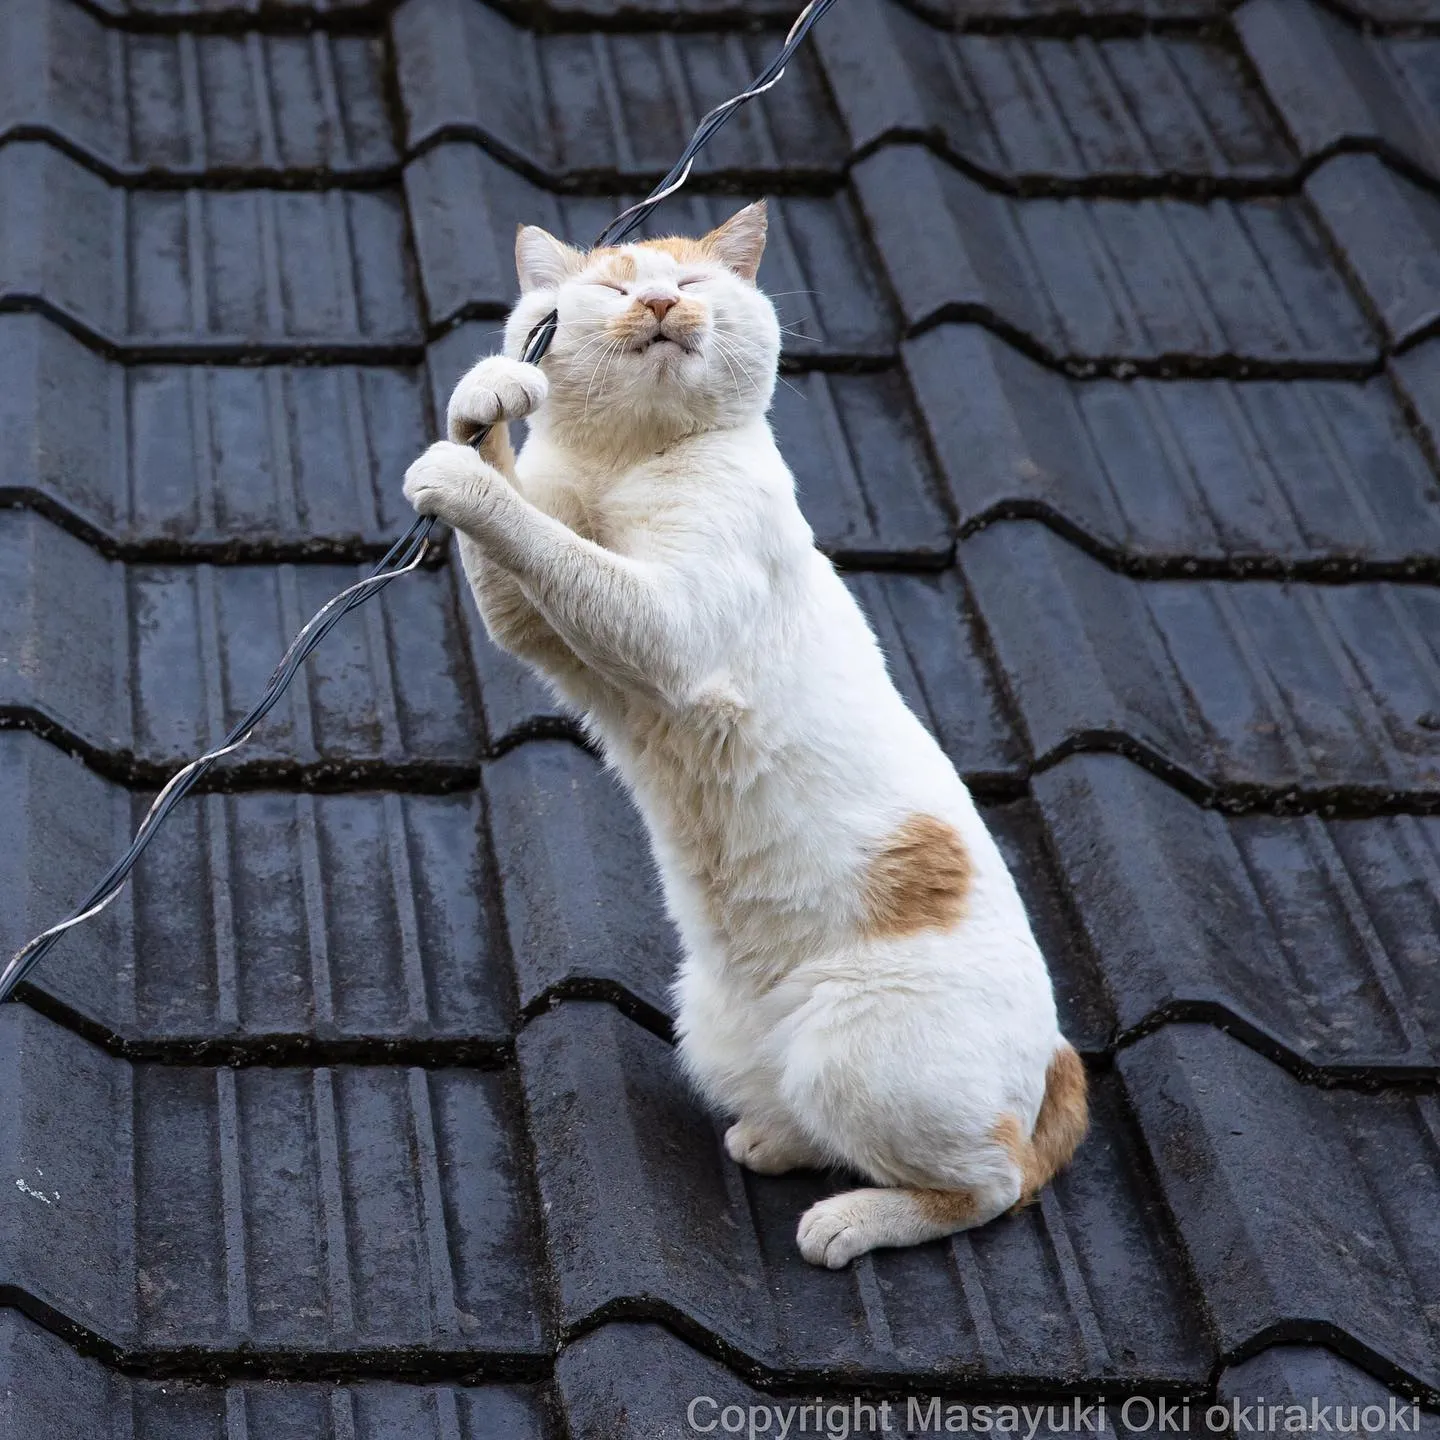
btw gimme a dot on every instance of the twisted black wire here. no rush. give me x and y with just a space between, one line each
403 556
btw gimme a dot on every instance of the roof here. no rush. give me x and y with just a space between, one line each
1114 388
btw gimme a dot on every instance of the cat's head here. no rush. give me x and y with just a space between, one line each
665 334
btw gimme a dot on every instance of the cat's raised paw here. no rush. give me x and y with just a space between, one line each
450 481
497 388
766 1153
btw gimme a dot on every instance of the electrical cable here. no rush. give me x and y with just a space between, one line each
404 556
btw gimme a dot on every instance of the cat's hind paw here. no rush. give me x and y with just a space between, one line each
497 388
768 1153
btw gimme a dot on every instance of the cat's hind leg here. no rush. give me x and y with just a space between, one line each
834 1231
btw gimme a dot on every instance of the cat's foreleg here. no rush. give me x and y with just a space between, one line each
493 391
629 620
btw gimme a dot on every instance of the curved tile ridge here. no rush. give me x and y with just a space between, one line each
1067 18
1150 112
1307 1214
292 462
1317 477
275 1218
647 1218
638 1381
46 1388
464 204
1248 693
159 15
140 666
219 462
1313 940
608 108
1338 86
1167 286
240 274
198 107
374 926
1325 1387
259 927
1386 230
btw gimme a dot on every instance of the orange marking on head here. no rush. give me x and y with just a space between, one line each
616 266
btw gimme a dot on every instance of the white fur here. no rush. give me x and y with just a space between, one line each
651 560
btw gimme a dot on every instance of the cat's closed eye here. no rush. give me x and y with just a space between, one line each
609 285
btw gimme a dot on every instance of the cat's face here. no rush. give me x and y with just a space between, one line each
666 331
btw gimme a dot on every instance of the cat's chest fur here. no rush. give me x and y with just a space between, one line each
616 512
696 768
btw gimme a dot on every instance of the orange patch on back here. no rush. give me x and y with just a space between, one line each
918 880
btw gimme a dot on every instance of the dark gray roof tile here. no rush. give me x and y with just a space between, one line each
581 900
48 1389
637 1381
464 205
204 272
144 665
1336 86
1314 935
346 919
212 460
1302 1375
182 104
1069 15
367 1210
647 1217
1387 231
190 12
1184 473
604 108
924 626
1404 16
1156 282
1255 688
1027 109
1305 1212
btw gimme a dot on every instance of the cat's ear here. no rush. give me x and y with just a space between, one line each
740 241
542 261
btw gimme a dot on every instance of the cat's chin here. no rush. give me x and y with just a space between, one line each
664 356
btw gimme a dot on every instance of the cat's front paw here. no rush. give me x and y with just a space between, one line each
498 388
452 482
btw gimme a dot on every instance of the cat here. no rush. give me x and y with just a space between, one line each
860 986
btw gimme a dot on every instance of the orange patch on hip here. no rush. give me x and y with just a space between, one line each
946 1207
918 880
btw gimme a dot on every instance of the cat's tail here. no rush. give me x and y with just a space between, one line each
1061 1125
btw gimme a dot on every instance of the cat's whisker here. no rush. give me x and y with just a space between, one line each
724 347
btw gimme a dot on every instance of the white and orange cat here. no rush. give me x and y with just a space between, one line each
860 984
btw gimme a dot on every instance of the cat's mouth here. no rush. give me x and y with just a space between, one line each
658 344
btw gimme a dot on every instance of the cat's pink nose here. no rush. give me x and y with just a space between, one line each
659 305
